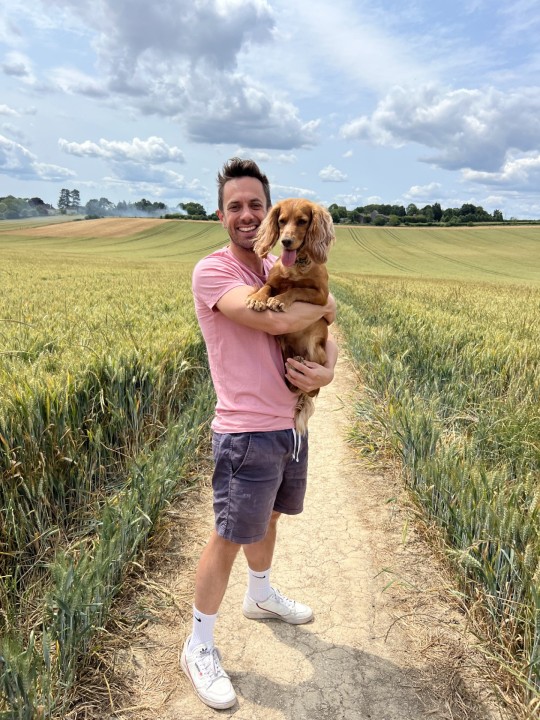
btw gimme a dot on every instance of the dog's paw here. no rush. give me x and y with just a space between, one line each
253 304
276 305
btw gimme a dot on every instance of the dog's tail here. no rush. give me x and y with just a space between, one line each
305 407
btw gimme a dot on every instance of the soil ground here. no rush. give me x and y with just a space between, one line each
388 641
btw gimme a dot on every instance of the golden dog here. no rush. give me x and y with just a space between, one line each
306 233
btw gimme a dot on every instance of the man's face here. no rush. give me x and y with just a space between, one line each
244 208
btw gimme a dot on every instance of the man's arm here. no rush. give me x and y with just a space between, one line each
311 376
299 316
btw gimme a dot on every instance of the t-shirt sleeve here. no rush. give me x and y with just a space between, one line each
212 278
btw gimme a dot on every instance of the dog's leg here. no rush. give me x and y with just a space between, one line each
258 300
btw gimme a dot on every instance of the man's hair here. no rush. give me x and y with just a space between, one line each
237 168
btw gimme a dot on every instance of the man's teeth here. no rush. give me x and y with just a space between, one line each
248 229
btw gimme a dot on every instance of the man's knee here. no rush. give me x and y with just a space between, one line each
222 546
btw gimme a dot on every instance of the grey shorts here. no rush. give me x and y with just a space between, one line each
256 473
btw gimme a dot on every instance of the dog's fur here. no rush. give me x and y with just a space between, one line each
306 233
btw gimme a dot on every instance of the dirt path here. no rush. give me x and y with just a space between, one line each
399 653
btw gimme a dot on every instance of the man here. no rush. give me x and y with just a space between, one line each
260 461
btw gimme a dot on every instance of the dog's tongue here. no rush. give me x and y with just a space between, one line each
288 257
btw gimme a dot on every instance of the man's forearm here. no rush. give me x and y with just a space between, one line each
300 315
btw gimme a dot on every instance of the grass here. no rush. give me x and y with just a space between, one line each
103 391
453 389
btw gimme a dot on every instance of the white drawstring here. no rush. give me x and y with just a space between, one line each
297 445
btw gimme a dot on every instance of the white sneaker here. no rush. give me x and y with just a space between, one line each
209 679
279 607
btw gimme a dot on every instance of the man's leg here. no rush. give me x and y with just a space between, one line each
200 660
259 555
213 573
262 601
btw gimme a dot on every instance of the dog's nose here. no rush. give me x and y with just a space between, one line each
287 242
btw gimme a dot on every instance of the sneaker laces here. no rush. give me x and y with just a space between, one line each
283 599
209 665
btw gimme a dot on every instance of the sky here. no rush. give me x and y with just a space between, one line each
350 102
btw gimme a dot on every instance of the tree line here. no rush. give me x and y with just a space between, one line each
69 202
412 215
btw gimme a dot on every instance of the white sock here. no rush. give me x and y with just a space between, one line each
203 630
259 584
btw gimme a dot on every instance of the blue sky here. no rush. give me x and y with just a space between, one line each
353 101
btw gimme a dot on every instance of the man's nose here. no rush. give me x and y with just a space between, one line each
247 212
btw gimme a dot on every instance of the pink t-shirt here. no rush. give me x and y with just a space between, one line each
246 364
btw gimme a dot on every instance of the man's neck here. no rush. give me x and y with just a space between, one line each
248 258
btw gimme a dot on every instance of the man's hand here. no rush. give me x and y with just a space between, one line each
308 376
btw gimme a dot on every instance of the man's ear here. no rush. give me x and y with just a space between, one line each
221 217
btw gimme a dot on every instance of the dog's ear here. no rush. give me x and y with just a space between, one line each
320 235
268 233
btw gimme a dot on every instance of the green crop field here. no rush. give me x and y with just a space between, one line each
104 396
497 254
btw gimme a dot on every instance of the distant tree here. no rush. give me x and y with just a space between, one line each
64 201
193 210
437 212
213 216
39 206
412 209
427 213
99 208
150 208
143 205
449 214
13 208
75 200
498 216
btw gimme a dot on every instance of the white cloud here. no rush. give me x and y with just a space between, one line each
425 193
18 162
6 110
18 65
468 128
151 176
280 192
332 174
179 59
150 151
15 132
237 113
73 81
517 172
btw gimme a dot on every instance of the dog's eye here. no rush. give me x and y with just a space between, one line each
301 221
282 221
